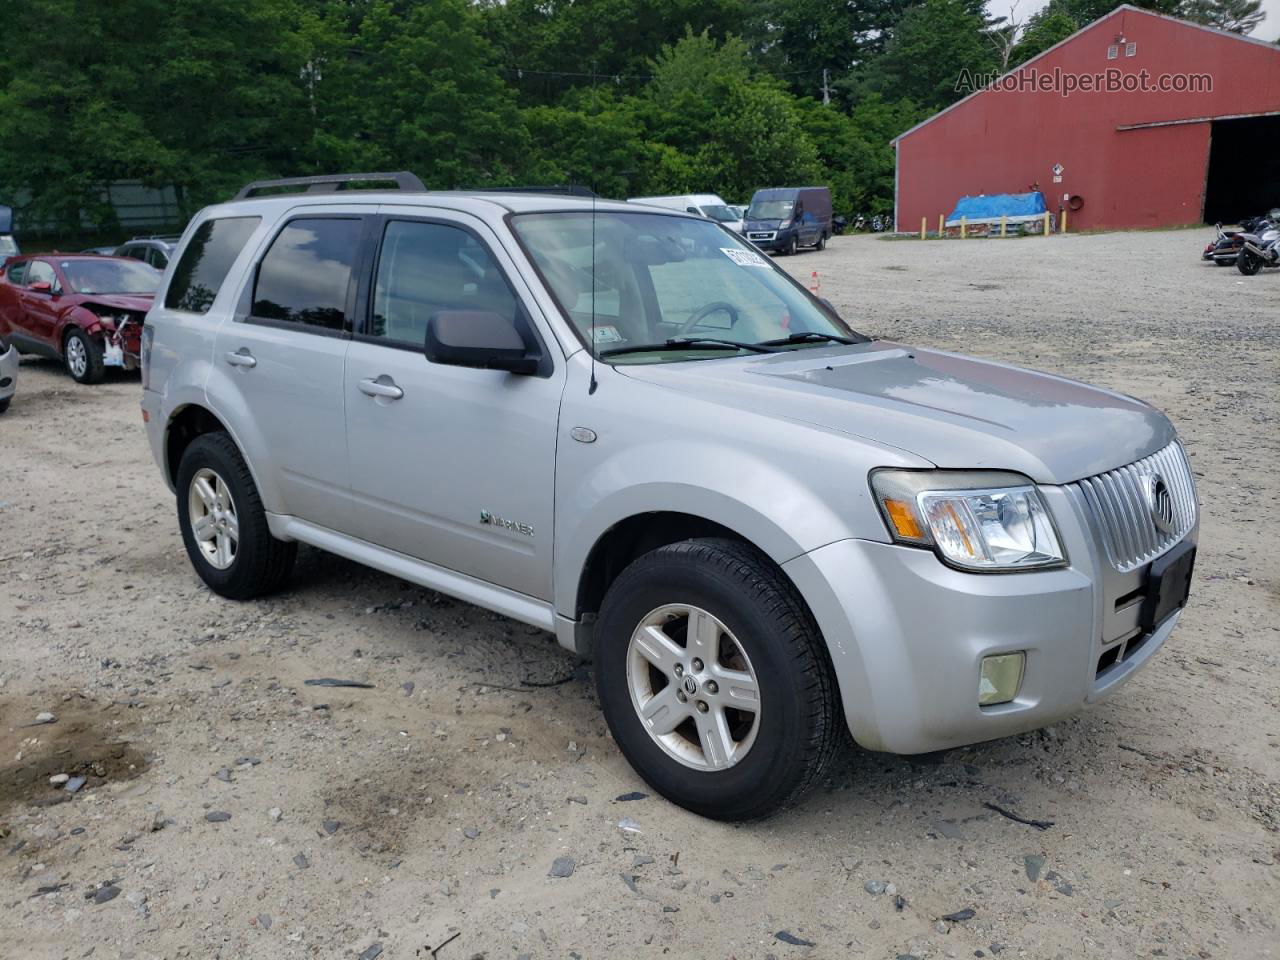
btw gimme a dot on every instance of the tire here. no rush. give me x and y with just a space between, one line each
1248 263
790 249
258 563
4 404
82 356
789 740
822 243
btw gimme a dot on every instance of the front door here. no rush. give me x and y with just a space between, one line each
279 363
452 465
39 317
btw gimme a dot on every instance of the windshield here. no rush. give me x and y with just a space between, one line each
111 276
8 245
718 211
770 209
659 278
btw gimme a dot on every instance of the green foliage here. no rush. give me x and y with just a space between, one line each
1238 16
629 96
928 48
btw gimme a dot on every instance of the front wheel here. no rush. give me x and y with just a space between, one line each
822 243
223 523
714 679
4 404
790 248
1248 263
82 355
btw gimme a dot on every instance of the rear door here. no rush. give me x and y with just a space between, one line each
452 465
283 354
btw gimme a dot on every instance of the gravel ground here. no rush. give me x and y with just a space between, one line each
229 810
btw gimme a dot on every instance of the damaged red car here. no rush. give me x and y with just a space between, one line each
85 311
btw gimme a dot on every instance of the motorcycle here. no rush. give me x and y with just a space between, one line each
1224 250
859 223
839 223
1259 250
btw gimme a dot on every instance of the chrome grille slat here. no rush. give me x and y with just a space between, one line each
1117 501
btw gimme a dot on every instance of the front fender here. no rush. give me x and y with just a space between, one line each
786 487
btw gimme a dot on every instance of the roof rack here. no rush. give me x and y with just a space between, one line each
329 183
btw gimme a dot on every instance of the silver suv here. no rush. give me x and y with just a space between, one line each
627 426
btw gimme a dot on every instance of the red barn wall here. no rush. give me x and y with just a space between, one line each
1004 141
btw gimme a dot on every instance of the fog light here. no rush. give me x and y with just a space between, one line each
1001 677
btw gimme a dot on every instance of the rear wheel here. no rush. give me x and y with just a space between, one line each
1248 263
82 356
223 523
4 404
714 679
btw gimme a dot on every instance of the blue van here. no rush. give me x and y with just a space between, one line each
784 218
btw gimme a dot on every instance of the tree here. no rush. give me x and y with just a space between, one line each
417 88
1046 28
933 43
1238 16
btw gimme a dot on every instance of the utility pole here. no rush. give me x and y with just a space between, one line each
826 90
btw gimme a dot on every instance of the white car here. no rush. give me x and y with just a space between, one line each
8 373
707 205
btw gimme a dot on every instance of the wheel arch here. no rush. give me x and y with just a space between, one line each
185 425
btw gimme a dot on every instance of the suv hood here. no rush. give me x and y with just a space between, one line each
954 411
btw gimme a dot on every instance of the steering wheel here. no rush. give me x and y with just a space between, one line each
703 312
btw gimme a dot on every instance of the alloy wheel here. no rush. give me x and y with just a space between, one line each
693 687
77 358
214 522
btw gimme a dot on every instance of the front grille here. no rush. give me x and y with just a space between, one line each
761 236
1120 503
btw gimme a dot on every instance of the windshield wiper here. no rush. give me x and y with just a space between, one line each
687 343
809 336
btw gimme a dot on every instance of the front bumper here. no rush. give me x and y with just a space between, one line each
907 636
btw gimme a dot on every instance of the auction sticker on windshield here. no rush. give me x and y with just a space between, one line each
744 258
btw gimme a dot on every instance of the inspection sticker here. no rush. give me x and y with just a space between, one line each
607 333
744 258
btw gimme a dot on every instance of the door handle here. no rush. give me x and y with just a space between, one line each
242 358
384 386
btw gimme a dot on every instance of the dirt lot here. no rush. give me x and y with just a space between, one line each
432 806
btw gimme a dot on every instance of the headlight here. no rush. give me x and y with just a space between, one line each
975 520
784 224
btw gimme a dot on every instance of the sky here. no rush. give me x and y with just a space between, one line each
1269 29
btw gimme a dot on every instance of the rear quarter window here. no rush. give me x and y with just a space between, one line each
206 261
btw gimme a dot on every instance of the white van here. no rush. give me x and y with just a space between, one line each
703 204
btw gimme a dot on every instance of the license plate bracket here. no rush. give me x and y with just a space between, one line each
1168 585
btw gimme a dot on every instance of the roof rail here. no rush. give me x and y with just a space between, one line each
330 183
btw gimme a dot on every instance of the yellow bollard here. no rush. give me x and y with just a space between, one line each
924 227
942 217
1046 223
1064 220
964 227
1003 224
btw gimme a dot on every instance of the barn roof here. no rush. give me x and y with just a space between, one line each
1123 8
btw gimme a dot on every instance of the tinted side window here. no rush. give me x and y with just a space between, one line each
16 272
156 258
428 267
305 276
206 261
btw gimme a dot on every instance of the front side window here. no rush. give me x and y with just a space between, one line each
40 272
17 272
428 267
110 276
306 274
650 279
206 261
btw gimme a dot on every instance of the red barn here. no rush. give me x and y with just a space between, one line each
1147 120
